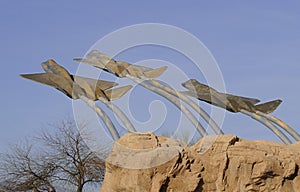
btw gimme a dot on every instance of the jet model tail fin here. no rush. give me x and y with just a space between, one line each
268 107
154 73
104 85
116 93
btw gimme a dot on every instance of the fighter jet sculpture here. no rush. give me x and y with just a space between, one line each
144 76
86 89
230 102
120 68
73 86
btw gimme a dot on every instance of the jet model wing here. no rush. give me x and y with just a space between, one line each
50 66
154 73
116 93
53 80
103 85
73 86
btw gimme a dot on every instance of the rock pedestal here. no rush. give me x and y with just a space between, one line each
144 162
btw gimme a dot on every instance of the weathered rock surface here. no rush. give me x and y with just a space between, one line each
144 162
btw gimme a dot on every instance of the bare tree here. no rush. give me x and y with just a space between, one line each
62 160
21 170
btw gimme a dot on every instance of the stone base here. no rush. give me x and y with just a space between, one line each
144 162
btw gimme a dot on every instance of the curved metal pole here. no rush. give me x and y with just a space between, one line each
167 95
191 103
273 128
120 115
281 124
175 101
107 121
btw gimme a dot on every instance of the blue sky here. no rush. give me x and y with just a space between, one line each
256 45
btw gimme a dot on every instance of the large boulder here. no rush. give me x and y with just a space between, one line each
145 162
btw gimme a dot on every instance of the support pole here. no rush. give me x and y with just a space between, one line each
267 123
106 120
173 100
281 124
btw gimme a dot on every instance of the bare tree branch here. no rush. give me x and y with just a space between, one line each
62 159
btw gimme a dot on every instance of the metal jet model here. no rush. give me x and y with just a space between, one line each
86 89
90 90
144 76
120 68
74 86
245 105
230 102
